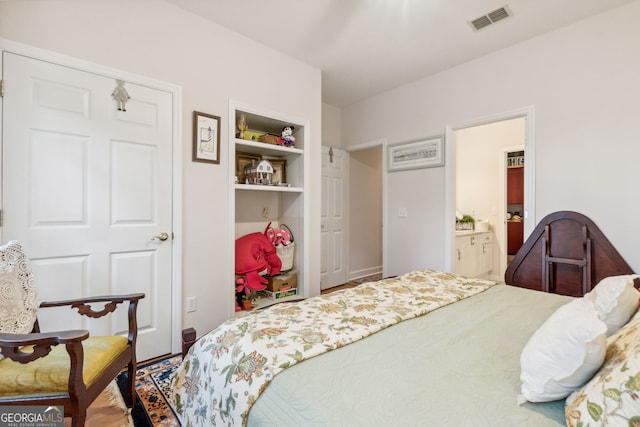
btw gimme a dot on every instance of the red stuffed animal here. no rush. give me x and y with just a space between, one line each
254 254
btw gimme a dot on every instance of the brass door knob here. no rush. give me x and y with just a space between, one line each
162 236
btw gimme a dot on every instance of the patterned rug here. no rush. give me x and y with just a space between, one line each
152 408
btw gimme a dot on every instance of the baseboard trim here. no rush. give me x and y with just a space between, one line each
353 275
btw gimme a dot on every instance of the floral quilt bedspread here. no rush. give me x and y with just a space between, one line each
227 369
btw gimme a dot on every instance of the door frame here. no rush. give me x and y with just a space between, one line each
176 95
528 113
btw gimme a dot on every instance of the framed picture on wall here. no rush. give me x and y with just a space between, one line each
421 153
206 138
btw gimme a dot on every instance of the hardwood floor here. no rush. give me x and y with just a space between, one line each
353 283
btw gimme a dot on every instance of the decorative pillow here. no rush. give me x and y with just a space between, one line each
616 300
612 397
18 294
563 354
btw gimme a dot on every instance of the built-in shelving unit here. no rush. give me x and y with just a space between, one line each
253 206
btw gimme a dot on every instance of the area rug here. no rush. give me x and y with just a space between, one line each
152 407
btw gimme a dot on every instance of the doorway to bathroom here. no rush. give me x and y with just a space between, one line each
481 152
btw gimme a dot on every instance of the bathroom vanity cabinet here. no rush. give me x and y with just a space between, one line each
473 253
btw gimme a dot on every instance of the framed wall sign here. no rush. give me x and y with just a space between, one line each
206 138
421 153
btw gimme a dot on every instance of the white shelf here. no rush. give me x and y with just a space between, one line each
263 148
276 188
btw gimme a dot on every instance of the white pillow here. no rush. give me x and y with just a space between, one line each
563 354
616 300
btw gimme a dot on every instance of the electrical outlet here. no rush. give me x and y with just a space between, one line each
402 212
192 304
265 212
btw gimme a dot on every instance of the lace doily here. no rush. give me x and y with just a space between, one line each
18 293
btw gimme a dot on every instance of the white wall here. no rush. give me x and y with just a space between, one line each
331 126
582 80
158 40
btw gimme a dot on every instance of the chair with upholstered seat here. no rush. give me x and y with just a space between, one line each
68 368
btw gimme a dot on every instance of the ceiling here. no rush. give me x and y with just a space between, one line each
365 47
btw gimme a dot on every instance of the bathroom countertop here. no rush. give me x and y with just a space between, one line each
470 232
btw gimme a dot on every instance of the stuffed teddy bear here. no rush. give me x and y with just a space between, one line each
254 254
287 139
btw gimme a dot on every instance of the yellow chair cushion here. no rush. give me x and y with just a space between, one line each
50 374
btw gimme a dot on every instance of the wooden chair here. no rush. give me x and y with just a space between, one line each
67 368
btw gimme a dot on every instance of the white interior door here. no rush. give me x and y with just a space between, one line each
333 218
85 188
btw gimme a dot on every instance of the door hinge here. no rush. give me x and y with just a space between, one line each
1 88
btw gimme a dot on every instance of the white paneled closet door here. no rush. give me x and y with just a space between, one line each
333 218
86 188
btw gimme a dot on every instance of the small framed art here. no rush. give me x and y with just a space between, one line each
206 138
279 170
421 153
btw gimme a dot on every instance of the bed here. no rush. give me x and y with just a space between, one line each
424 348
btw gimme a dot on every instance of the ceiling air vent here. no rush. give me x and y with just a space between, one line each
490 18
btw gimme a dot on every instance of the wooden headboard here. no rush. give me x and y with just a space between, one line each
566 254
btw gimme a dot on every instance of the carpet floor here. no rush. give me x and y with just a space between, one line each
152 408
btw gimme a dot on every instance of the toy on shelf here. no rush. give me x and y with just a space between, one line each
255 254
287 139
242 126
282 239
259 172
